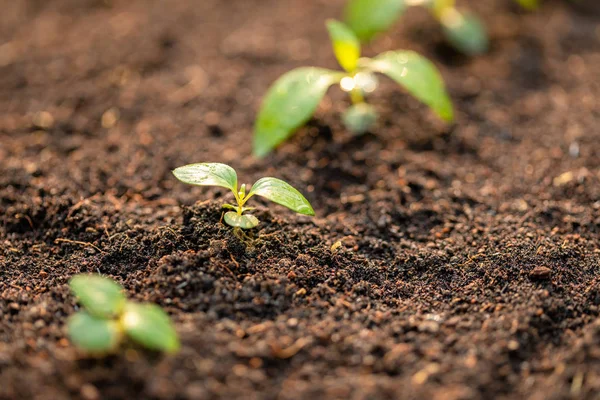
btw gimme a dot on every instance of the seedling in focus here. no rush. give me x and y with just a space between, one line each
108 317
463 30
276 190
293 98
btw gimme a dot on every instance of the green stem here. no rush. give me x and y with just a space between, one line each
356 96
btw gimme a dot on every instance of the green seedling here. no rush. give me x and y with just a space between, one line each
215 174
294 97
108 317
463 30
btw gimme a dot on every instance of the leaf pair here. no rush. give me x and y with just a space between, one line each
294 97
216 174
464 31
108 317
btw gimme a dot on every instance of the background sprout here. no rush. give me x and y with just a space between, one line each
108 317
216 174
463 30
294 97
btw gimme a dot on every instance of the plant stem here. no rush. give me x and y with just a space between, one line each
356 96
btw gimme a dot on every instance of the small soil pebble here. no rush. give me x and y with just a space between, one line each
540 273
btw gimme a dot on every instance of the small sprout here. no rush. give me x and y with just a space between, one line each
215 174
294 97
108 317
464 31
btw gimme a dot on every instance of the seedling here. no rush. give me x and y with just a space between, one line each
463 30
294 97
215 174
109 317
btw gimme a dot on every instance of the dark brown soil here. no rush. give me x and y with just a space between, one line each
470 255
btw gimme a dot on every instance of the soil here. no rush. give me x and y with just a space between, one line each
469 257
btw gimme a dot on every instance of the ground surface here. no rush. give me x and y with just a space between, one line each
469 260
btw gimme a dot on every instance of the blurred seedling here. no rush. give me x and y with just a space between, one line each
108 317
276 190
293 98
463 30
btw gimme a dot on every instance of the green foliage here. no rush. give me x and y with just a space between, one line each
272 189
108 317
100 296
150 326
294 97
346 46
283 193
213 174
289 104
463 31
367 18
93 334
418 76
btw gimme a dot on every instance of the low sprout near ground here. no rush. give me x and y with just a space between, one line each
108 317
463 30
216 174
293 98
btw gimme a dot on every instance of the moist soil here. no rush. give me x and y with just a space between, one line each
445 262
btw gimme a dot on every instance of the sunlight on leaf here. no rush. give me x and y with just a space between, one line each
208 174
345 44
418 76
150 326
282 193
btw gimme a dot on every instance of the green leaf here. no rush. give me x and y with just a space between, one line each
345 44
289 104
529 4
150 326
208 174
95 335
245 221
101 297
367 18
283 193
418 76
465 32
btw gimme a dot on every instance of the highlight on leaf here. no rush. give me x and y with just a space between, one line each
418 76
346 46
